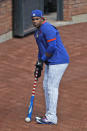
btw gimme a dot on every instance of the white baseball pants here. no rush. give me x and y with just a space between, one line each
52 77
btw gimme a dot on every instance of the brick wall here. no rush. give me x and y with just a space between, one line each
74 7
5 16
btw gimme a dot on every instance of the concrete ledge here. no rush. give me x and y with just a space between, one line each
75 19
79 18
6 36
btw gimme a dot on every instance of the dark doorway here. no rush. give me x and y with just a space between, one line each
50 6
54 9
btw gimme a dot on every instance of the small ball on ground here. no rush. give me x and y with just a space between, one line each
27 119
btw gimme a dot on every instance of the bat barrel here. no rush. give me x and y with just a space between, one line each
30 110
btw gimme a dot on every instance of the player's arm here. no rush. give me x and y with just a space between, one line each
50 36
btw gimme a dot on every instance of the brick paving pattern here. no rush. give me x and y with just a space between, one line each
17 60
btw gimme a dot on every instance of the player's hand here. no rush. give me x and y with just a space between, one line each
39 68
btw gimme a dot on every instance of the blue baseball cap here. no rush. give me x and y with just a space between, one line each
37 13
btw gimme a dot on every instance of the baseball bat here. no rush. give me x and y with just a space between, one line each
30 108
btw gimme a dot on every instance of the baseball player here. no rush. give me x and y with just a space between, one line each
53 54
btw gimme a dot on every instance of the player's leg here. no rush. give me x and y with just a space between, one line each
55 73
45 87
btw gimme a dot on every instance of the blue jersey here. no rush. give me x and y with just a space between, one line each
49 41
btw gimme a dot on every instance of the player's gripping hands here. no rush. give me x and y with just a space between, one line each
39 68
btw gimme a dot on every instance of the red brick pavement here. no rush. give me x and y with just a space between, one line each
17 59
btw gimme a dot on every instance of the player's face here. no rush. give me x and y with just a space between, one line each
36 21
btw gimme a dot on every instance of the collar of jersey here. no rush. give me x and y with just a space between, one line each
44 22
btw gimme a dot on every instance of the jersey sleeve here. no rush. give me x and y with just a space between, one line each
50 36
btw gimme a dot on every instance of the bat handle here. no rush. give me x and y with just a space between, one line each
36 73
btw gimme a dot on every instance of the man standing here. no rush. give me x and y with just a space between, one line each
52 52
